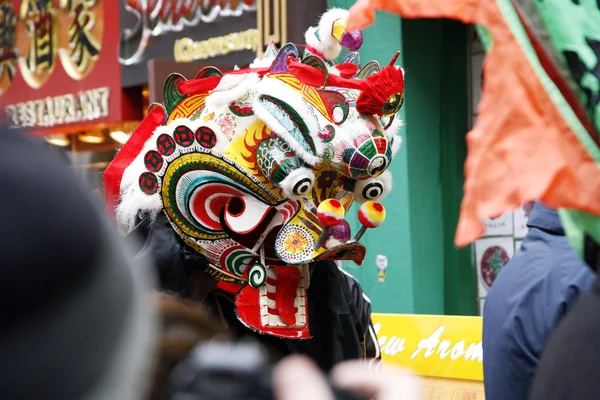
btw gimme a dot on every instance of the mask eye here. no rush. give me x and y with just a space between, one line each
373 188
372 191
392 105
302 187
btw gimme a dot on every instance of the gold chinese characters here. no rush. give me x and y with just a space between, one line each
38 34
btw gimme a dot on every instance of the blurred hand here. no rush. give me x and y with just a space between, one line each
298 378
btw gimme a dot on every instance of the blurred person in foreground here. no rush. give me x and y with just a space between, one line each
569 368
527 300
77 319
198 359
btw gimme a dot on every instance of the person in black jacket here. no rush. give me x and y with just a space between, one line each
339 311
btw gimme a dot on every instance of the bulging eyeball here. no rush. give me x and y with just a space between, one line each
298 183
392 105
373 188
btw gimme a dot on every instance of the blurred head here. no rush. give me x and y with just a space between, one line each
77 321
183 325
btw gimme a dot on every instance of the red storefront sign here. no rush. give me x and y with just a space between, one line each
59 66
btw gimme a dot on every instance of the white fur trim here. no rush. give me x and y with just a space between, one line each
332 242
386 182
231 88
261 63
133 200
396 144
394 129
393 133
280 90
333 71
288 183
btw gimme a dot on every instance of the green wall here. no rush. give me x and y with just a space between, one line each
426 274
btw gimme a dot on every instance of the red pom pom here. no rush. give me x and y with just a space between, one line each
378 88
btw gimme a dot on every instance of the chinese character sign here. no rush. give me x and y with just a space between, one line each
8 57
85 24
39 34
37 62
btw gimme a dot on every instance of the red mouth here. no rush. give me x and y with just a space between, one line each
280 306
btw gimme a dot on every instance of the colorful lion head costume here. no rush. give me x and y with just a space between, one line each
255 168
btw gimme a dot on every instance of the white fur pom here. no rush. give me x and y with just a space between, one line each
393 133
325 42
298 183
261 63
373 188
396 144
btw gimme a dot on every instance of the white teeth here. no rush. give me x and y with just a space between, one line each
270 320
298 302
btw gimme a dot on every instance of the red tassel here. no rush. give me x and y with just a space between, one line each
378 88
306 74
114 172
347 70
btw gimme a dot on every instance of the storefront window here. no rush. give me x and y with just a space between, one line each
90 152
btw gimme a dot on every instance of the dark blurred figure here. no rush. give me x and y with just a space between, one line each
183 325
529 297
570 366
76 322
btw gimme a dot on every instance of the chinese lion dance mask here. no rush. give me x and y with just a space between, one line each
256 168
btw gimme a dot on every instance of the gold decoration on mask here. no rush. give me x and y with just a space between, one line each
392 105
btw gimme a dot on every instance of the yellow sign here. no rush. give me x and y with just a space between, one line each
432 345
188 50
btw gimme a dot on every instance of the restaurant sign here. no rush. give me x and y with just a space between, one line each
88 105
153 29
55 67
